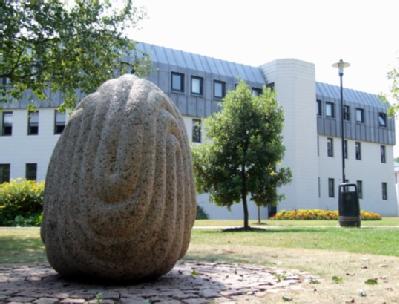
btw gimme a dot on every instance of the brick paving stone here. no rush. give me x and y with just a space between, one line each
72 301
46 301
21 299
196 301
189 282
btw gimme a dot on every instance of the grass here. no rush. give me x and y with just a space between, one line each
21 245
386 221
354 256
365 240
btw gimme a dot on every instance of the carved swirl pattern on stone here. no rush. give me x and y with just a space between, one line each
120 198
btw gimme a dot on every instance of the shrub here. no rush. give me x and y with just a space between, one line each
201 214
317 214
21 203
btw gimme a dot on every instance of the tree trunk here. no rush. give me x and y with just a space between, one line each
259 215
244 197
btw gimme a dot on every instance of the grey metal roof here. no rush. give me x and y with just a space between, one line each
350 95
202 63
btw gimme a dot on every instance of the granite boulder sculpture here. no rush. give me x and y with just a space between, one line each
119 197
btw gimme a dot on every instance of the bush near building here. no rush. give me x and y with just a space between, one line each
317 214
21 203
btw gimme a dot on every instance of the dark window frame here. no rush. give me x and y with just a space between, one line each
196 134
384 191
332 109
361 111
201 80
256 91
358 150
28 174
331 187
330 147
32 129
383 154
59 128
5 172
382 116
359 185
319 107
347 113
181 76
3 130
223 84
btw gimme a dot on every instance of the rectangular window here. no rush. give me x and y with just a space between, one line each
330 147
384 191
219 89
256 91
331 187
196 131
318 102
6 123
358 151
177 82
197 85
318 186
382 119
359 115
59 122
4 173
33 123
345 149
359 185
347 113
383 154
330 110
30 171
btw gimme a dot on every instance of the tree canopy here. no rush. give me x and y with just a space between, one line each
244 151
47 44
393 76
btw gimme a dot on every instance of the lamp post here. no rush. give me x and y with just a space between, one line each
341 65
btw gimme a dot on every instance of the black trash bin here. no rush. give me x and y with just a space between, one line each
348 206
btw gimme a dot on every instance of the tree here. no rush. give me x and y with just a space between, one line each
245 148
47 44
393 76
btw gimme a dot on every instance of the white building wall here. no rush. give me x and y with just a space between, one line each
21 148
295 88
369 170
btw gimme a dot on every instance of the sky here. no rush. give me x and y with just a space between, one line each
363 33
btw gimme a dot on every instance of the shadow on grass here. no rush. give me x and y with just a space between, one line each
15 250
274 230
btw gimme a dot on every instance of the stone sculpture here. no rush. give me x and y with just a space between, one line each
119 196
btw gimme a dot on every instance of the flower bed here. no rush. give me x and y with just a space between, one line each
318 214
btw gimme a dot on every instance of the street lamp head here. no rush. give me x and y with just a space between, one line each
341 65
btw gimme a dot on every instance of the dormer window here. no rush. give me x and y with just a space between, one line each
382 119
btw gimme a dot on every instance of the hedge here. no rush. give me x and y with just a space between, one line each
21 203
318 214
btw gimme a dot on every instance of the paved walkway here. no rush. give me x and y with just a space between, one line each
188 282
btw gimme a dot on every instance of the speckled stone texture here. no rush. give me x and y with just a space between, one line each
120 198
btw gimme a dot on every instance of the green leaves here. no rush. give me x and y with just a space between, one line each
45 43
246 133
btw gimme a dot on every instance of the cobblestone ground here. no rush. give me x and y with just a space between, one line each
188 282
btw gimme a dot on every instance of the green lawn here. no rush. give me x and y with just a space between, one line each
24 245
386 221
366 240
